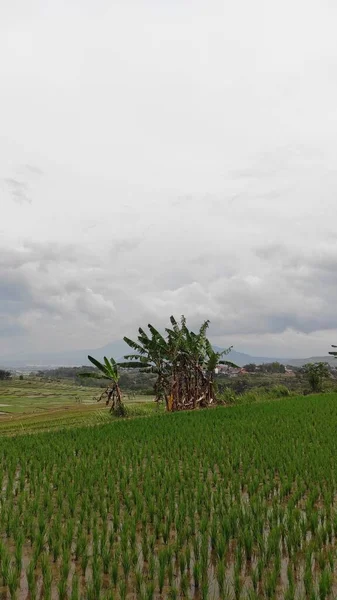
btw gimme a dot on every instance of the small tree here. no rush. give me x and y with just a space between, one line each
5 375
108 370
273 367
315 373
250 368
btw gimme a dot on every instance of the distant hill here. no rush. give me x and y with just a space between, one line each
242 359
117 349
299 362
68 358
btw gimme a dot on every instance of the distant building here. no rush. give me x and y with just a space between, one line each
230 371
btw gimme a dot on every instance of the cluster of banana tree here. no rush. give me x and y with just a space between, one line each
184 362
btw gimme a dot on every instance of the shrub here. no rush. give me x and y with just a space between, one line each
5 375
254 395
280 391
315 373
227 396
120 410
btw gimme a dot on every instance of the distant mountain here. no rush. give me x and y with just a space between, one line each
242 359
68 358
117 349
299 362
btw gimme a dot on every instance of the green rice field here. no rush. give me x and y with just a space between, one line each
37 395
38 404
236 502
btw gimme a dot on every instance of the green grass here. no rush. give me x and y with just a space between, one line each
237 502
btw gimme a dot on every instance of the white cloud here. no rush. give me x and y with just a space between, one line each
163 158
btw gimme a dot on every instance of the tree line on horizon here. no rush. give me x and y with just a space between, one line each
185 364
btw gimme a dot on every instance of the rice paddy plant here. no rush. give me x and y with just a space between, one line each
62 589
5 565
126 563
122 587
210 502
31 580
46 576
248 543
325 584
161 577
170 573
18 552
270 584
255 579
75 592
237 582
65 564
56 550
90 591
13 582
220 575
149 594
184 585
204 588
173 593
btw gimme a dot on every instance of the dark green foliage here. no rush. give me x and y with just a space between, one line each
108 370
333 352
273 367
250 368
5 375
315 374
183 361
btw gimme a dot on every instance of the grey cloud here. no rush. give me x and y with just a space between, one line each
43 281
326 263
270 251
276 162
304 263
14 296
60 283
171 281
272 194
286 292
12 291
43 254
273 300
18 190
34 170
10 330
197 194
121 246
19 186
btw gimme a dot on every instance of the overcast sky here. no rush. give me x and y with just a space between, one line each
164 157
